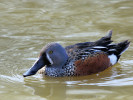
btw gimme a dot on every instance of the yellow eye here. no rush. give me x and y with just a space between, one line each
50 52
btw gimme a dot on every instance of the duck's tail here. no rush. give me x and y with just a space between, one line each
115 50
104 41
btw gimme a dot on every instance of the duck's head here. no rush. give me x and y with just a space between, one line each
52 55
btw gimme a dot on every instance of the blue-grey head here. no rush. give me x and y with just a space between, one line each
52 55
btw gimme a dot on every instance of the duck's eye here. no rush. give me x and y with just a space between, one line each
50 52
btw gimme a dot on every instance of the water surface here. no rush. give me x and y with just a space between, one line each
27 25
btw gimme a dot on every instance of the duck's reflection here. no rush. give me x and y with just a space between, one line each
48 89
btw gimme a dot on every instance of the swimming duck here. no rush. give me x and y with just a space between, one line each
78 59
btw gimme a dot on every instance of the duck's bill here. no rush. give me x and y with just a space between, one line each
33 70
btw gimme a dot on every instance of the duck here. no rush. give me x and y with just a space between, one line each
79 59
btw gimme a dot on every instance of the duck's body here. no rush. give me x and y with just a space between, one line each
79 59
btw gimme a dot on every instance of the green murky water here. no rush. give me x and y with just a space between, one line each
27 25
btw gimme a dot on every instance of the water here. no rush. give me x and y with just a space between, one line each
27 25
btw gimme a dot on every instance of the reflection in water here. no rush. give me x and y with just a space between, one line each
48 90
26 26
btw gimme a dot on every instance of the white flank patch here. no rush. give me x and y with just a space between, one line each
113 59
50 60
